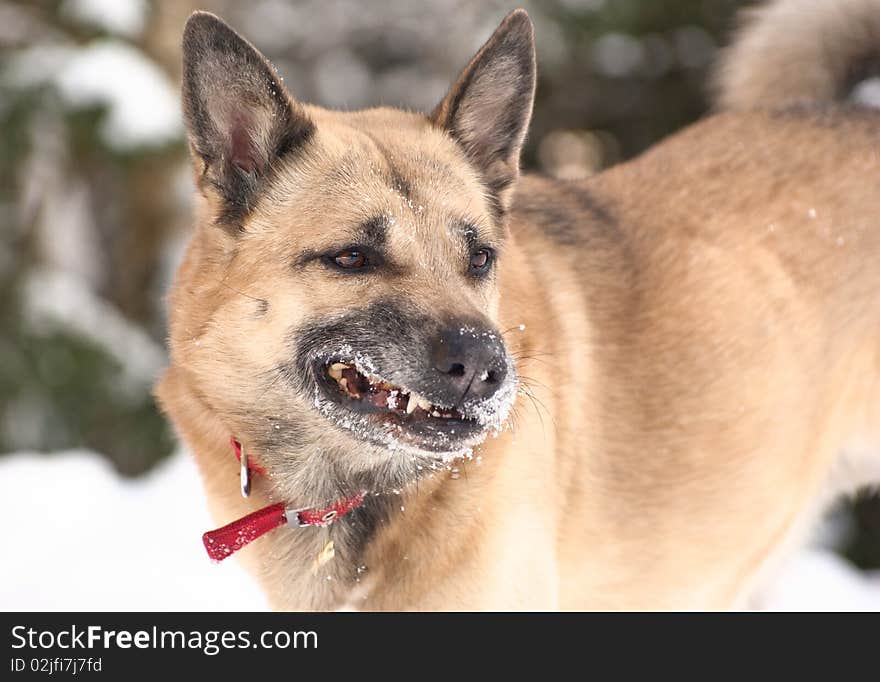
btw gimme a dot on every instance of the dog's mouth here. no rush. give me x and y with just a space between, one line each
382 412
384 396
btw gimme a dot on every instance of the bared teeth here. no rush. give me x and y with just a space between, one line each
416 400
335 370
381 393
412 403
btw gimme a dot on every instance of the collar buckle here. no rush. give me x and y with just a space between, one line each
293 517
245 474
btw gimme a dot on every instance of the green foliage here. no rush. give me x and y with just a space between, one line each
66 392
59 390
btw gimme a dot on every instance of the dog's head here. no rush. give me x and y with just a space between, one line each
339 302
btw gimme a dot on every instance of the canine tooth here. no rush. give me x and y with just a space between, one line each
344 383
424 404
412 403
335 372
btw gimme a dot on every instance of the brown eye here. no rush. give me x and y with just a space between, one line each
480 260
350 259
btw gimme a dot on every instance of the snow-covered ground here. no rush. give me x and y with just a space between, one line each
79 537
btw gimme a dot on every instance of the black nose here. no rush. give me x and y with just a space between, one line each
470 362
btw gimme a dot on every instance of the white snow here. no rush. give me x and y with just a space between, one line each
867 92
819 580
79 537
56 300
122 17
143 106
35 65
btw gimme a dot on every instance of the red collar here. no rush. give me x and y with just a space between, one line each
232 537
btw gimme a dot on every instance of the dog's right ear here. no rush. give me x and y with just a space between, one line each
239 115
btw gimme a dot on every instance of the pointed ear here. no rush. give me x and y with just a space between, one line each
489 107
239 116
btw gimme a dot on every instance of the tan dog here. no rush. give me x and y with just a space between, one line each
629 392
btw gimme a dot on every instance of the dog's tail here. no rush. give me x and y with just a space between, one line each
791 52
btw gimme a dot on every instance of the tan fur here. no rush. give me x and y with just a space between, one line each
694 363
793 52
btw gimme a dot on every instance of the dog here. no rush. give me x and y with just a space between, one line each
468 389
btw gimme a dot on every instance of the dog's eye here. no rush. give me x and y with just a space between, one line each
350 259
480 261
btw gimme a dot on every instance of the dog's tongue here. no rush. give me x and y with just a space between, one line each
380 395
357 382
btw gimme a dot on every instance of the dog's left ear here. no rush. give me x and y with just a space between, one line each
488 109
240 117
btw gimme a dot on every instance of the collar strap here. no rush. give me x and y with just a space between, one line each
224 541
232 537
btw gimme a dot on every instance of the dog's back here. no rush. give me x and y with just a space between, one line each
724 382
733 345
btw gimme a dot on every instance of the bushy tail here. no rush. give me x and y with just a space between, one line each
790 52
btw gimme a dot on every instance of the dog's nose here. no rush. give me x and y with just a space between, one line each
470 362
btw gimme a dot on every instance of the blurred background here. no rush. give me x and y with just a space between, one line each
95 191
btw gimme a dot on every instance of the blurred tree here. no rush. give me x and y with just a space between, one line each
88 207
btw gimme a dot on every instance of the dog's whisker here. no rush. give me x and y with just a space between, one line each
536 402
516 327
531 383
259 299
278 374
526 358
